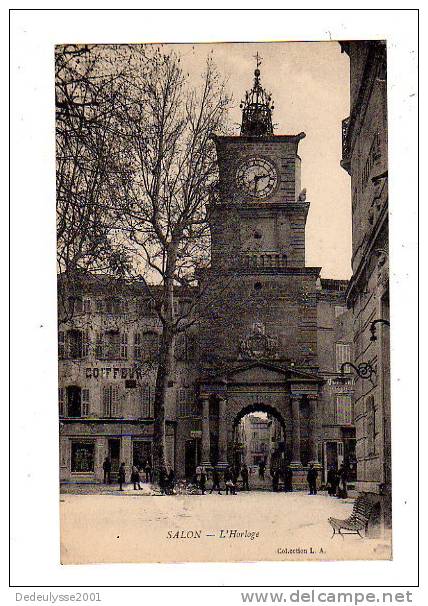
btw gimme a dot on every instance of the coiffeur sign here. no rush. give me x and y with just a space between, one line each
113 373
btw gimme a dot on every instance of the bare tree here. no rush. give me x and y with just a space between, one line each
168 180
136 174
86 88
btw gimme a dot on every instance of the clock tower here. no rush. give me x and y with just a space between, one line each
257 223
258 220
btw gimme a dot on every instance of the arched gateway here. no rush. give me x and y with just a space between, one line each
289 394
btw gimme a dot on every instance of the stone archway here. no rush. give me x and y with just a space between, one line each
245 441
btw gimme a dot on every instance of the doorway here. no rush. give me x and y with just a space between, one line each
114 456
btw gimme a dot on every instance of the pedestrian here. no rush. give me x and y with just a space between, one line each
262 468
312 479
122 475
244 476
135 477
202 480
170 481
228 481
288 479
216 481
148 471
107 470
332 481
342 491
275 479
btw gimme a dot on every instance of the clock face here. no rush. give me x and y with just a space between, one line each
256 177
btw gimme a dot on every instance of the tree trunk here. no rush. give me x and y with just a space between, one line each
166 352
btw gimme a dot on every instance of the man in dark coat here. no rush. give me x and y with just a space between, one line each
244 476
288 479
332 481
216 481
107 470
122 475
229 481
262 467
148 471
275 479
312 479
171 481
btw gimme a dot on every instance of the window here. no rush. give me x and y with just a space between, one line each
371 425
146 307
181 347
186 405
147 401
87 305
111 401
137 346
112 345
372 158
339 310
82 457
74 401
344 410
113 306
99 305
343 354
124 346
61 344
75 305
75 344
150 346
61 401
85 402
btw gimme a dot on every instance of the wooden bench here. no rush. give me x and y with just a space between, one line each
357 521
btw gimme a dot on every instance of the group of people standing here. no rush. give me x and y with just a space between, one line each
230 479
337 482
136 472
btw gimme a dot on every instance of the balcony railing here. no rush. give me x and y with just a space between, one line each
267 260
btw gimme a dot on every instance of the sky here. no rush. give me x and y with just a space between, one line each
309 82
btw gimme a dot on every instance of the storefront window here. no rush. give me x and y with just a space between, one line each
82 457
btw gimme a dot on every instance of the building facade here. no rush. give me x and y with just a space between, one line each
272 338
365 158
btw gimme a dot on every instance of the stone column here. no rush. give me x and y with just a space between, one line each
295 415
313 429
206 451
222 433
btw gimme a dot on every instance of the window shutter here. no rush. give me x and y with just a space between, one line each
137 346
115 401
145 401
85 402
343 409
182 402
85 344
180 346
106 401
124 346
61 344
61 401
99 349
343 354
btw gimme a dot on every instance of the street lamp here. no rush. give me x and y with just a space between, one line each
364 370
373 327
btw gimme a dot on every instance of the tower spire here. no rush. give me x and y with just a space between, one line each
257 107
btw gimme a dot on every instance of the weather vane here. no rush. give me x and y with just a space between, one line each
258 59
